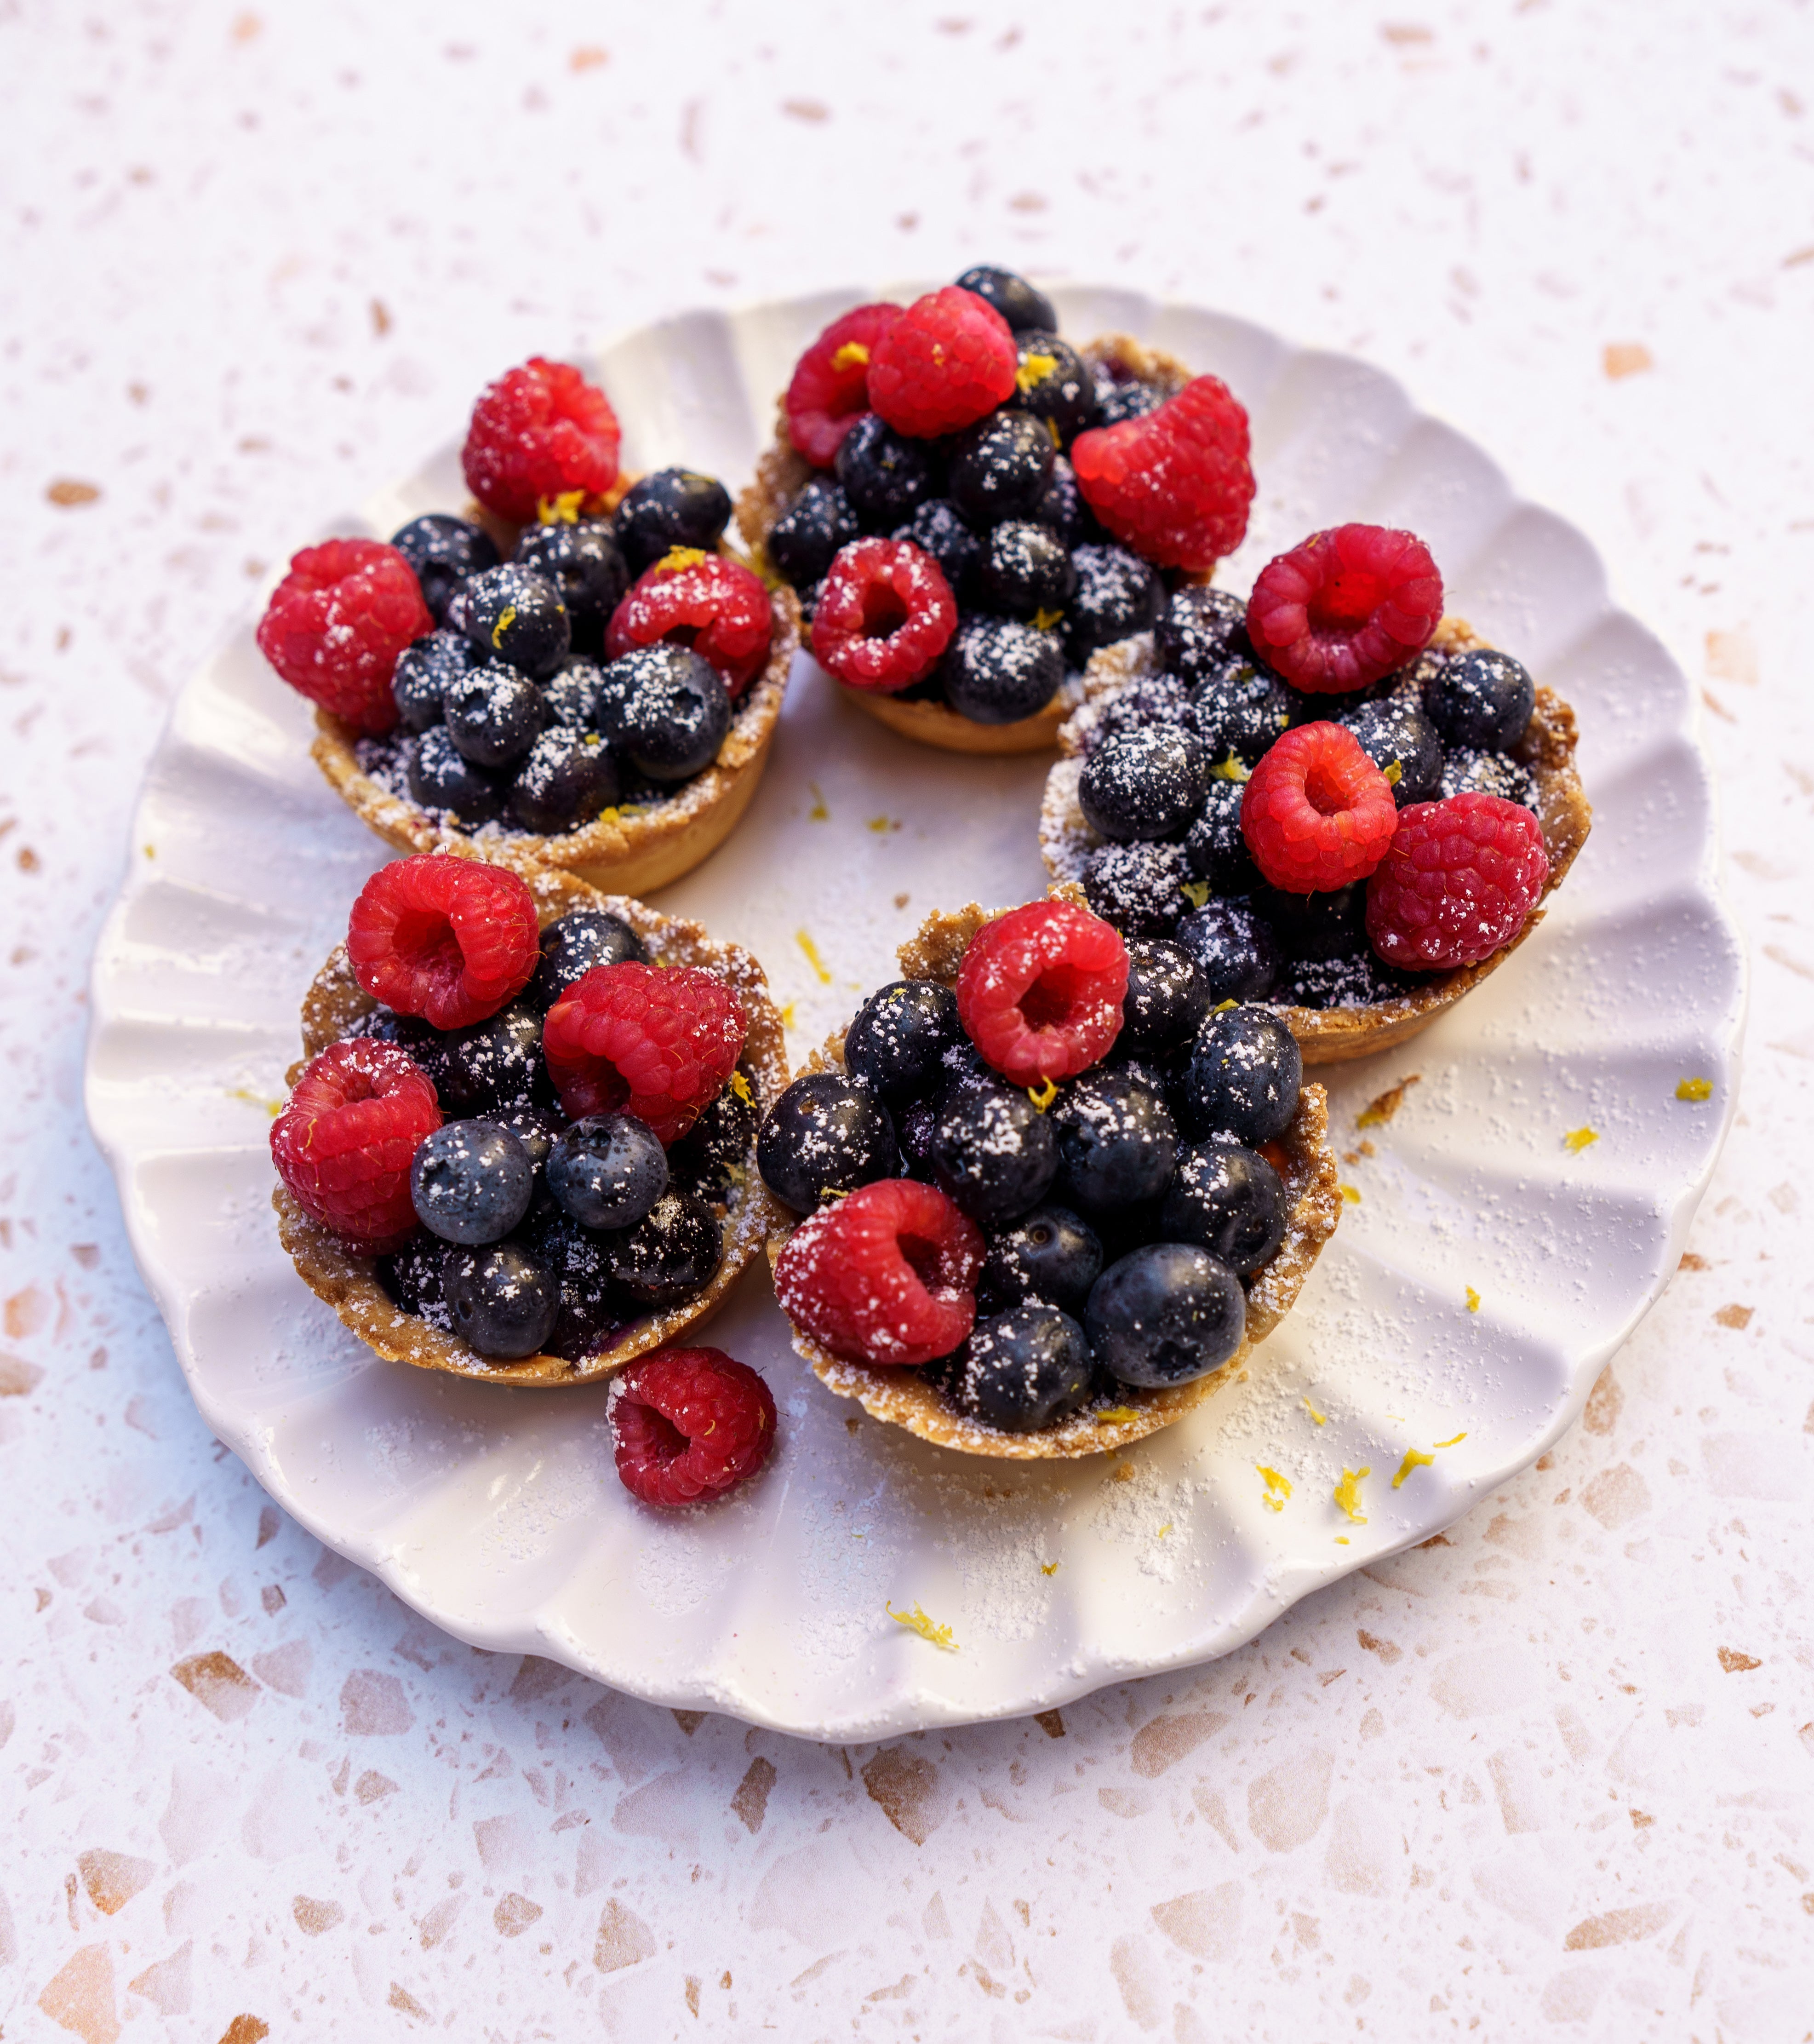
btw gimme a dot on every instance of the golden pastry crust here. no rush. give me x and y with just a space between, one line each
634 852
905 1398
348 1282
1337 1035
783 472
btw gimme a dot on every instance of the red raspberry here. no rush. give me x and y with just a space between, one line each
538 433
716 606
1176 485
1317 813
1345 608
829 391
659 1042
689 1423
344 1142
1041 989
949 357
1459 882
885 613
446 938
336 623
885 1276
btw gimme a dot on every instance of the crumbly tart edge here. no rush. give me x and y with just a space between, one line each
904 1398
348 1282
783 472
643 849
1338 1036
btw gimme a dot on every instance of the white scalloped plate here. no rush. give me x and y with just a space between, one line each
496 1514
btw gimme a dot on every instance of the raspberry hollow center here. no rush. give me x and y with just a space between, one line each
884 611
924 1258
1050 999
426 938
1327 789
1346 601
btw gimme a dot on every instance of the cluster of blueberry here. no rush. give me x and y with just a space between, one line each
1168 755
1039 584
539 1234
1119 1209
510 712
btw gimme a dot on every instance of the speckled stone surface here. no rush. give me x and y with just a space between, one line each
1551 1773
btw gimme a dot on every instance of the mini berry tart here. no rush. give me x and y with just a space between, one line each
521 1144
1045 1196
578 675
969 507
1336 799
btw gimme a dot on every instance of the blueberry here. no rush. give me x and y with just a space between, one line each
1214 848
586 564
1233 948
937 528
1116 1143
439 778
1138 887
1120 398
1394 732
998 671
443 550
1053 384
1021 1370
1116 595
1244 1077
535 1127
1000 467
517 615
1330 925
608 1170
992 1150
1166 1001
825 1136
1026 571
712 1158
1468 772
494 713
672 1252
1139 700
1241 709
566 777
1050 1254
571 948
1165 1314
569 695
1063 508
471 1182
414 1276
901 1032
672 507
1012 297
502 1301
424 672
495 1063
1481 700
665 709
913 1127
1227 1199
1357 980
802 542
885 476
1147 783
1199 629
589 1309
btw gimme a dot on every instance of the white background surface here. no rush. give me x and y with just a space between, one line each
1522 1780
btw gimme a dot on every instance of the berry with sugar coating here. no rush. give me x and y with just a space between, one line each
494 714
885 477
1393 731
440 777
1022 1370
938 528
336 624
606 1170
346 1138
1052 383
669 507
885 613
567 776
1001 468
1167 999
1176 485
664 708
1116 1143
1165 1314
471 1182
426 669
1147 782
1233 949
513 614
1117 594
805 539
717 607
1228 1200
998 670
896 1044
1138 887
992 1150
1039 990
1317 813
949 357
1482 700
1345 608
443 550
449 939
585 562
829 391
572 947
502 1301
1027 572
824 1137
1199 629
1050 1254
671 1254
659 1042
540 432
1458 883
1244 1077
1012 296
687 1424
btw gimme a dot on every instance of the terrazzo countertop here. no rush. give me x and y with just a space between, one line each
1552 1771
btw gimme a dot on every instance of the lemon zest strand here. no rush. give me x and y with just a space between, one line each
917 1621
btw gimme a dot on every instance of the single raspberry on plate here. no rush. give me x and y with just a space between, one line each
1174 486
1317 812
949 357
449 939
336 623
345 1140
716 606
659 1042
690 1425
886 1275
538 434
885 613
1041 989
1345 608
829 390
1460 880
